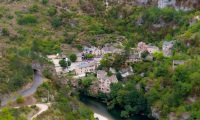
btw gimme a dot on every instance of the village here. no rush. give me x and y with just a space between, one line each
89 59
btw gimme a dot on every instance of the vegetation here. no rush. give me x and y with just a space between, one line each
20 99
73 57
63 63
30 33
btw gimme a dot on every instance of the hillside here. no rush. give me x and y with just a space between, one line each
31 30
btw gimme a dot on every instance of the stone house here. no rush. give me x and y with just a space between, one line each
108 49
152 49
105 81
93 50
177 62
134 58
167 48
143 47
126 72
84 67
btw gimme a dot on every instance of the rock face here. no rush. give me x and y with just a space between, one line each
40 68
177 4
155 113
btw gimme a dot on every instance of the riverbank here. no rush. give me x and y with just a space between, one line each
100 117
100 110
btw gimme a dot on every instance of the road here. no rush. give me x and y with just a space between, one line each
43 107
37 81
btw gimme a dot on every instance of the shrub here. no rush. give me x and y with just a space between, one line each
51 11
27 19
56 22
73 57
9 16
34 8
20 99
5 32
63 63
44 2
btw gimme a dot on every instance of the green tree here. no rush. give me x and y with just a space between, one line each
6 115
158 55
63 63
73 57
105 62
144 54
119 76
89 56
87 82
20 99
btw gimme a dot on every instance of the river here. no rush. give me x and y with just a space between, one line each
101 109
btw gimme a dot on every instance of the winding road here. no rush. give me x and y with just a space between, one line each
36 82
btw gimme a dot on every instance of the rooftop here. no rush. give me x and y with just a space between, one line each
168 43
107 48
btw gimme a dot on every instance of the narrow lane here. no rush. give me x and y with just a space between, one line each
36 82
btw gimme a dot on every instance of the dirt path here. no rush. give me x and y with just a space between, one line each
43 108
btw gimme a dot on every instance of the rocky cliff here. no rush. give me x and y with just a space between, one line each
178 4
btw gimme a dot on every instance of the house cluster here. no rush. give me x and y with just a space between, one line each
167 48
85 65
97 52
104 81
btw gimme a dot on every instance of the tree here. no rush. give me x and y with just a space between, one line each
89 56
158 55
6 115
87 82
119 76
73 57
144 54
20 99
105 62
63 63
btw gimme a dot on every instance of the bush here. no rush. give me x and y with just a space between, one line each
56 22
51 11
9 16
73 57
34 8
27 19
63 63
20 99
144 54
5 32
44 2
